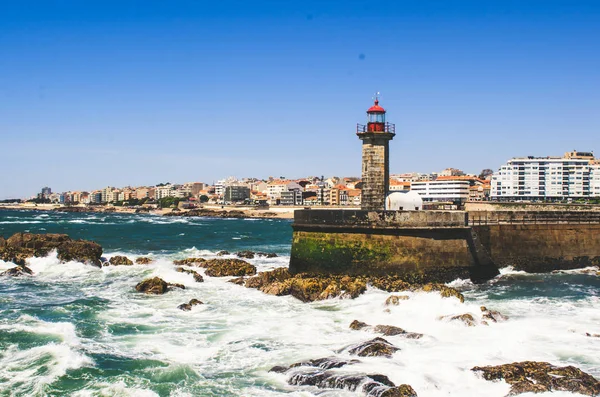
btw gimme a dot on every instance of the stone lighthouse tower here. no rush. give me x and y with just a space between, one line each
375 137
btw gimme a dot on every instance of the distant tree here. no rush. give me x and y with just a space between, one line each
204 198
9 201
485 173
167 202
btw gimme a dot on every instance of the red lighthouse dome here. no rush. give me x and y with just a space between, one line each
376 108
375 121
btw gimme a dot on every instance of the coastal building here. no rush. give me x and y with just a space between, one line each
398 186
455 191
276 187
451 172
236 193
291 197
375 137
574 175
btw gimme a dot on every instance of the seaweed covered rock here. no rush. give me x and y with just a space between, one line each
197 276
189 261
21 246
80 251
305 287
394 300
492 315
40 243
143 260
119 260
223 253
377 347
17 271
539 377
399 391
156 286
186 307
397 284
18 256
228 267
444 290
264 279
386 330
466 318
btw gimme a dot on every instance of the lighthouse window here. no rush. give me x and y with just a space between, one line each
376 117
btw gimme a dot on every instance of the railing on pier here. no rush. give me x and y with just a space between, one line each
483 218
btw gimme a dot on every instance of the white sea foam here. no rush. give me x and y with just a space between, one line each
29 371
245 332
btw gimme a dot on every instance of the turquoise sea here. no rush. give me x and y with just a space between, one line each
77 330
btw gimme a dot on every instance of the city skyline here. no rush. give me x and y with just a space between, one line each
139 93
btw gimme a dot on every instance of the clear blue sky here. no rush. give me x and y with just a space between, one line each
97 93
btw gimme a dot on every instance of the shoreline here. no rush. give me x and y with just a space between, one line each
218 210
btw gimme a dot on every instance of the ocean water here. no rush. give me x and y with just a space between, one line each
78 330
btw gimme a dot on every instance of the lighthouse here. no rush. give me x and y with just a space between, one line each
375 137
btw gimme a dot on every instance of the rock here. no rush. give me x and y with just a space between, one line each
238 280
389 330
176 285
143 260
492 315
17 271
533 376
189 261
18 256
326 363
390 284
279 369
267 254
466 318
154 285
386 330
317 373
80 251
399 391
375 347
2 242
358 325
197 276
397 284
395 300
119 261
228 267
245 254
188 306
222 253
592 335
265 278
372 385
445 291
305 287
46 242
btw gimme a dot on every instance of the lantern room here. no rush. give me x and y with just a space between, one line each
375 121
376 114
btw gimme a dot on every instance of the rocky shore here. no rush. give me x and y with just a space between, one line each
343 369
213 211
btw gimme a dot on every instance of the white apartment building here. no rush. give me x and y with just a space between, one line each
164 191
575 175
447 191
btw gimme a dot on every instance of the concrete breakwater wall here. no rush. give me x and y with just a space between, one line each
442 245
